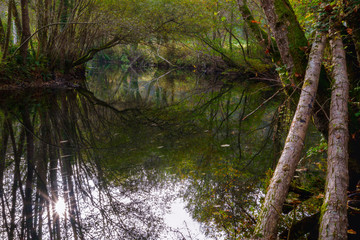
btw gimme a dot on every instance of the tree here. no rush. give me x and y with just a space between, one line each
25 33
334 210
284 172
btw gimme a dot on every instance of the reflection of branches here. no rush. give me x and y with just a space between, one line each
187 228
262 104
72 123
91 97
205 105
241 115
265 142
228 115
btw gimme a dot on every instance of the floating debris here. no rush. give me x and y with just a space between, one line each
225 145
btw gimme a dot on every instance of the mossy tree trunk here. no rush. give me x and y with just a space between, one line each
8 31
288 35
2 34
260 34
284 172
17 20
289 49
334 209
42 7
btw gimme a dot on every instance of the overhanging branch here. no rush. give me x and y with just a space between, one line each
47 26
91 53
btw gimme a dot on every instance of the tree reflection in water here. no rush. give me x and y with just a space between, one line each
48 156
74 167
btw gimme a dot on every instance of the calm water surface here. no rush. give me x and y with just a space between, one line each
135 155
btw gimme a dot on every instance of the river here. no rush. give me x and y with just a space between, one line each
137 155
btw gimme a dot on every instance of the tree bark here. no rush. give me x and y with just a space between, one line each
17 20
42 20
25 29
334 209
284 172
8 31
259 33
2 34
288 34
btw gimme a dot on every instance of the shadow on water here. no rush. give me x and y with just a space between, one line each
115 161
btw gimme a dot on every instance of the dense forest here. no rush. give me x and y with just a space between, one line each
308 51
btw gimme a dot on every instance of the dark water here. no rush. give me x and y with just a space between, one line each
136 155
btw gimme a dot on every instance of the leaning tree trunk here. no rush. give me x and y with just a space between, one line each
284 172
334 209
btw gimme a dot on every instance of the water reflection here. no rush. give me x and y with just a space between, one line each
114 163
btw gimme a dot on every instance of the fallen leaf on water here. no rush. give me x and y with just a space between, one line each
225 145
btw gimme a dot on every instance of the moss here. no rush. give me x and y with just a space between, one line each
296 36
323 209
286 167
307 83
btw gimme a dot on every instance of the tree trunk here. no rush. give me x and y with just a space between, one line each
334 209
291 45
17 20
2 34
284 172
42 8
289 36
25 29
258 32
8 32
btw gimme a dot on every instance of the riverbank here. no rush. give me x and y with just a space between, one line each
23 79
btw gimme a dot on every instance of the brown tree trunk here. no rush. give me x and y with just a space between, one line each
8 32
40 23
17 20
334 209
284 172
25 29
288 34
262 36
2 34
